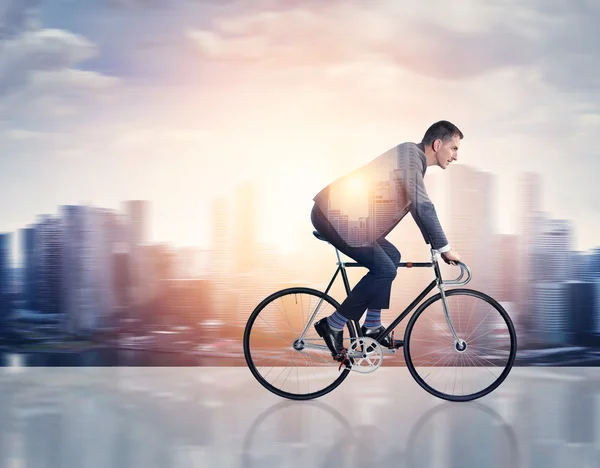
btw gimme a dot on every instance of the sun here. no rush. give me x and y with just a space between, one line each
356 185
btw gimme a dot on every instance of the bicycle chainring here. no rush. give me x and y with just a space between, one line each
366 355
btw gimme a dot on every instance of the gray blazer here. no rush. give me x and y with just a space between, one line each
366 204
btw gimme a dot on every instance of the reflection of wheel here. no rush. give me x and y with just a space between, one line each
284 431
299 370
465 370
454 431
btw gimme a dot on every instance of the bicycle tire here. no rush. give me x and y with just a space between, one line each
248 352
511 357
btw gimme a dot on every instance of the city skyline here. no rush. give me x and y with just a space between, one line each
442 199
91 267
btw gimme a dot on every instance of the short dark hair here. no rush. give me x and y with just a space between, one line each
442 130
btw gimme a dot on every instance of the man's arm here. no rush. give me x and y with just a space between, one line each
421 207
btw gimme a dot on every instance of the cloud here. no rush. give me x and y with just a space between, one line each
40 73
345 33
46 49
559 41
16 16
569 55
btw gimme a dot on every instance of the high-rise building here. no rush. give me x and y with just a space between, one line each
29 267
357 231
550 321
551 253
552 250
88 271
582 303
246 217
471 227
221 261
580 266
594 264
339 221
382 208
529 205
49 246
137 215
507 249
5 266
596 312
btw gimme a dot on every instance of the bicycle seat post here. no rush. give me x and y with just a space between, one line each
337 253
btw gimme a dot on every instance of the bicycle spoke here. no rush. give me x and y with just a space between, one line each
471 314
277 334
440 367
444 331
483 334
286 316
268 345
488 314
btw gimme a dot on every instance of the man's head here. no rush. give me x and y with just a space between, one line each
441 142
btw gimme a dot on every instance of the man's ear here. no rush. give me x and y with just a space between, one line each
436 145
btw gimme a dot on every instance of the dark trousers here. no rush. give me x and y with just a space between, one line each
380 257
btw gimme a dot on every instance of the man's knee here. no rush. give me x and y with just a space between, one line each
387 271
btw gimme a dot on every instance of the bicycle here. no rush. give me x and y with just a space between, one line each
438 344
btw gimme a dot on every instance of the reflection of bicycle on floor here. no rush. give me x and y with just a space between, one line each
282 433
459 345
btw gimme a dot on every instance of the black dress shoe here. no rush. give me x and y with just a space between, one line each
385 341
333 338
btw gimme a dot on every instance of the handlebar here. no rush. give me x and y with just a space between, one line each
463 269
457 282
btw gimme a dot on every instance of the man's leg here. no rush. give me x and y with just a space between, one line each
390 257
331 328
373 318
381 299
374 288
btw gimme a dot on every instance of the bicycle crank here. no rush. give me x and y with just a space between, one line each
365 354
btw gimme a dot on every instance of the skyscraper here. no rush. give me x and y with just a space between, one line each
471 232
137 212
29 266
552 249
549 321
579 268
90 291
582 304
340 222
5 249
594 264
49 246
507 250
551 253
221 261
382 208
529 205
245 229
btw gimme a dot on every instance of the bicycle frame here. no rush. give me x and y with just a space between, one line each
438 281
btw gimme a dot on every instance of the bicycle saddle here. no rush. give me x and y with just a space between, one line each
319 236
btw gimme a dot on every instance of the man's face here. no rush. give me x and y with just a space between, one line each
447 152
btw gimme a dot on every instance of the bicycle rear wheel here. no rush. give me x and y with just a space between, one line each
284 365
440 365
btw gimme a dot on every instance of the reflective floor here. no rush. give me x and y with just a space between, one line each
199 417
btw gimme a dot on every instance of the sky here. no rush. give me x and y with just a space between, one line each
179 101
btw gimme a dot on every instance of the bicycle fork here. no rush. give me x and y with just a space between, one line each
459 343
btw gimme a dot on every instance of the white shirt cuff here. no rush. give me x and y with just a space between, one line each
445 248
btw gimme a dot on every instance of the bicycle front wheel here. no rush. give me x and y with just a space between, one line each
284 362
453 370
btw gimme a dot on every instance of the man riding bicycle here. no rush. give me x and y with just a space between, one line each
357 211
